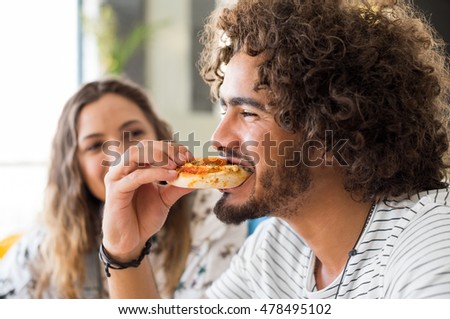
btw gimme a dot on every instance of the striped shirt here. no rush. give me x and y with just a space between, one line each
404 252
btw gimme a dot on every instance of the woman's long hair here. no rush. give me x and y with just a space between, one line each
72 214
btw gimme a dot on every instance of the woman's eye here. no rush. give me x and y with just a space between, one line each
136 133
95 146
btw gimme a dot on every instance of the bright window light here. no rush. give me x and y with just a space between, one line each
39 71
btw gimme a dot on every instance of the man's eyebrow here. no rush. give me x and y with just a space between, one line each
243 101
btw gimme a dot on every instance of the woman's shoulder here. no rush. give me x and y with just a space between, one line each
27 246
204 223
15 271
204 200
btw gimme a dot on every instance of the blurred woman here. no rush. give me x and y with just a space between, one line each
59 259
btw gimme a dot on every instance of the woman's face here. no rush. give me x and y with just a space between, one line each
113 119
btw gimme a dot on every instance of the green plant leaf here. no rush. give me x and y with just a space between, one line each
115 52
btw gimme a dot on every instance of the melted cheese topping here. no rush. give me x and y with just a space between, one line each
207 165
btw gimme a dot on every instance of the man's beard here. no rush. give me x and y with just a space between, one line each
280 185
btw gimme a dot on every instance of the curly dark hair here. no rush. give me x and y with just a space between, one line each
374 73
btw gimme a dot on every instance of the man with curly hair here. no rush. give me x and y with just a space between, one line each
340 109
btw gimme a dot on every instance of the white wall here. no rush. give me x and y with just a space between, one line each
38 63
169 67
38 60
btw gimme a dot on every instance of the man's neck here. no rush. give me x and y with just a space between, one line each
330 221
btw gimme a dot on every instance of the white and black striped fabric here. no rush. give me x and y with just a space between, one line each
403 253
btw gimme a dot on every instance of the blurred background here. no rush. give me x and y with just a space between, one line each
50 47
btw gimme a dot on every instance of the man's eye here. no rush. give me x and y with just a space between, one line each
247 114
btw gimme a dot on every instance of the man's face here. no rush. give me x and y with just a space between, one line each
248 132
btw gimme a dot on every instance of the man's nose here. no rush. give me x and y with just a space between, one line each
225 135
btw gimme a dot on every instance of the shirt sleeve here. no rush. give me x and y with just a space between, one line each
420 261
15 275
